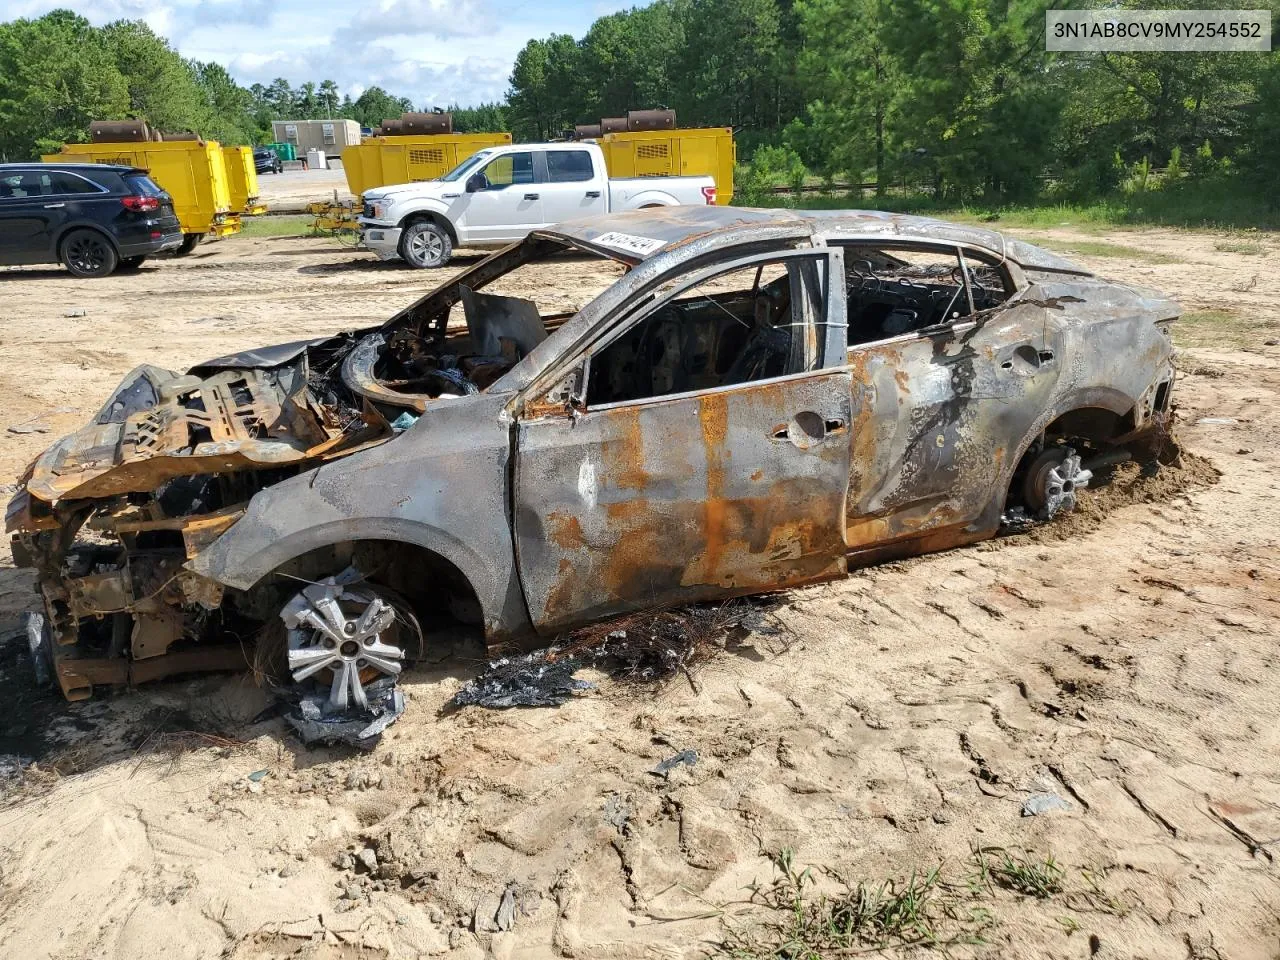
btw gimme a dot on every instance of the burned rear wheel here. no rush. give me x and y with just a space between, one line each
351 639
1052 482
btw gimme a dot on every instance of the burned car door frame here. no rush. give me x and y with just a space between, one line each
939 411
697 494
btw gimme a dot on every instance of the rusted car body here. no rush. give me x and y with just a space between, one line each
761 400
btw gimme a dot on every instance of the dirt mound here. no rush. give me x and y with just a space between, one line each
1121 486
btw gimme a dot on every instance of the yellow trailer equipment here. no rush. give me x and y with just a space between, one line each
242 181
192 172
383 161
706 151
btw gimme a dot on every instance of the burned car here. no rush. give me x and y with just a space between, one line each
761 399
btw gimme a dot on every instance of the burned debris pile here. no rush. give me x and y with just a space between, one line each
650 648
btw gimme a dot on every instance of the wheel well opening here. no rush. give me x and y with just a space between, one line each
62 237
442 598
1087 431
425 216
1095 425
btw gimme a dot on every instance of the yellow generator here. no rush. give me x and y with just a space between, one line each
192 172
708 151
383 161
242 181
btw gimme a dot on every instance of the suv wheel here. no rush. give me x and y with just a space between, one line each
425 244
87 253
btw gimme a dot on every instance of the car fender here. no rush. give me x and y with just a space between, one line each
441 485
408 209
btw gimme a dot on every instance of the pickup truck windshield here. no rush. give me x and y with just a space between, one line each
466 165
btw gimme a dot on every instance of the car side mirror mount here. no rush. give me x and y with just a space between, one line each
566 397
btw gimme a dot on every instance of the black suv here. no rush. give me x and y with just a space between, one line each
91 217
265 160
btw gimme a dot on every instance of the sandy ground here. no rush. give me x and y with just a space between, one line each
294 189
1126 663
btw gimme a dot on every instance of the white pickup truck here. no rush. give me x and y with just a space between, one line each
499 195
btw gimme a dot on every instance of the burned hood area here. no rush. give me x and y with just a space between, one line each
110 515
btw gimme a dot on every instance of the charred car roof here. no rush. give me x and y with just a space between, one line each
637 235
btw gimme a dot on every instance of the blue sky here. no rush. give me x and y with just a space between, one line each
435 52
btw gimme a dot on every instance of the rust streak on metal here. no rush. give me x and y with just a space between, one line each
713 416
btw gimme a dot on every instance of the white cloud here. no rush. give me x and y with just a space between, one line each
435 52
439 18
470 81
158 16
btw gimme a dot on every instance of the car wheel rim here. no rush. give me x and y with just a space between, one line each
87 255
342 634
1060 484
426 247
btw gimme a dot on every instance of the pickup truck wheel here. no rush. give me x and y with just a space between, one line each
87 253
425 244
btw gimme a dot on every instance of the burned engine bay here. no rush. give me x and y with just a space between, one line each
109 515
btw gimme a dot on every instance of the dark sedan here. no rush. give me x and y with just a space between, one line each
92 218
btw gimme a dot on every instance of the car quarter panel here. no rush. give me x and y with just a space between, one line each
441 485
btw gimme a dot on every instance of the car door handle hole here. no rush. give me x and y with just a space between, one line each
805 429
593 194
1024 361
531 196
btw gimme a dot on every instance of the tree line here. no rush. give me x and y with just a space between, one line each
959 94
59 72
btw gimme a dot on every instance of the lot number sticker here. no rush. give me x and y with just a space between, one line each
642 246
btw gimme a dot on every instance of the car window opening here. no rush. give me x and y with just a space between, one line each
742 326
465 338
897 291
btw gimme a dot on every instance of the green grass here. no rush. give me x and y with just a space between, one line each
1032 876
293 225
1251 248
1223 204
1222 328
1099 248
803 915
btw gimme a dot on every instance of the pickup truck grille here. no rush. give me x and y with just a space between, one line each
368 210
